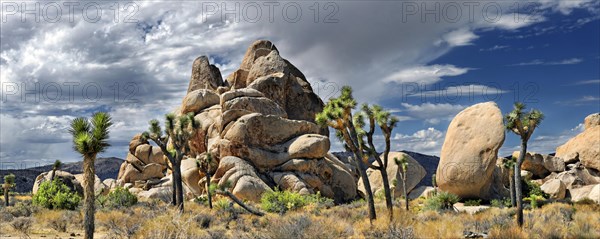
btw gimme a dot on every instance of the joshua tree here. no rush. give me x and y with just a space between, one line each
89 139
510 164
337 114
56 166
174 145
204 166
9 182
386 122
223 190
403 164
523 125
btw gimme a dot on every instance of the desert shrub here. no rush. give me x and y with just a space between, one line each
501 203
304 226
282 201
203 220
473 202
56 195
55 219
532 188
441 201
120 224
22 224
222 204
118 198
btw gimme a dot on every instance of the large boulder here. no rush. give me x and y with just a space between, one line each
99 187
591 121
415 173
470 151
555 188
576 176
534 163
204 75
65 177
198 100
584 146
245 182
586 192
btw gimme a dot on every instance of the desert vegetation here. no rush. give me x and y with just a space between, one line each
300 216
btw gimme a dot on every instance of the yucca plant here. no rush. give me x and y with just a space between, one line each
337 114
55 166
174 145
377 115
203 164
9 182
522 124
89 139
403 165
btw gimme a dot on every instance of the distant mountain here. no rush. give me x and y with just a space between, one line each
429 162
105 168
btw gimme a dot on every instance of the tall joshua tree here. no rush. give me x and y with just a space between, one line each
9 182
337 114
386 122
522 124
56 166
89 139
510 165
174 145
403 164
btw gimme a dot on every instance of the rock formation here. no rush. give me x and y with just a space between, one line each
585 146
259 127
415 173
470 150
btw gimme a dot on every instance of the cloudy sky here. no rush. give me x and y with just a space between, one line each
423 61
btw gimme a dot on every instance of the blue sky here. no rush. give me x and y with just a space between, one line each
391 54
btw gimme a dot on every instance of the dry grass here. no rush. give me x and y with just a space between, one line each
152 219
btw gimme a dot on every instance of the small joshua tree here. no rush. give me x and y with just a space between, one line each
174 145
522 124
509 164
89 139
337 114
386 122
56 166
203 165
403 164
9 182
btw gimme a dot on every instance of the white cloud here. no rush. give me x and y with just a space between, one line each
570 61
494 48
433 113
587 82
462 92
460 37
425 74
426 141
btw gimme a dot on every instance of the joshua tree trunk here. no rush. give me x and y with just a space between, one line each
89 197
6 195
239 202
52 174
388 193
208 189
404 188
518 187
363 175
173 188
511 179
179 187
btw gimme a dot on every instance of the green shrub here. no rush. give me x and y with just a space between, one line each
283 201
118 198
473 202
222 204
532 188
441 201
56 195
501 203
